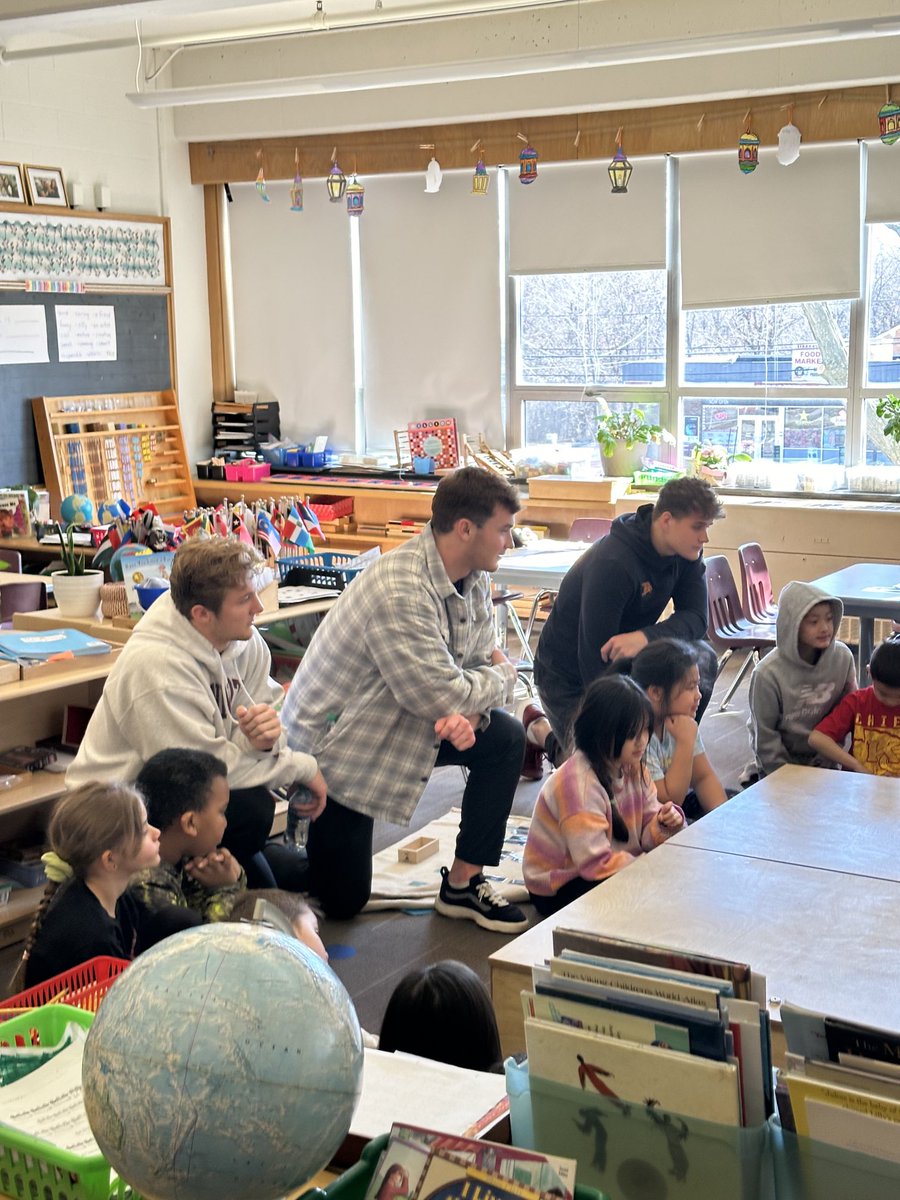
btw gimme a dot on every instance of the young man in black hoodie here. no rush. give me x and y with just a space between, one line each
610 602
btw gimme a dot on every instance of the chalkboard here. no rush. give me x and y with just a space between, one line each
143 364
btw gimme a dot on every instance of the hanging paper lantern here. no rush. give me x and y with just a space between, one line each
788 145
528 163
356 195
336 183
748 152
261 186
433 176
889 122
481 181
619 171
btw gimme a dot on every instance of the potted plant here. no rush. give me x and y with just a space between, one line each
623 438
711 462
76 588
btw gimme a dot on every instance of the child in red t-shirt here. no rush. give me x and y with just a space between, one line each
872 715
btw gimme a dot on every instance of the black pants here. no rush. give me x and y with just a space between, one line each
548 905
250 812
340 840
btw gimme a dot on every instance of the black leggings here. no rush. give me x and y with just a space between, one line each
340 840
250 813
548 905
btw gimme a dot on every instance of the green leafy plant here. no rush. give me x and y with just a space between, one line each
628 428
73 559
887 409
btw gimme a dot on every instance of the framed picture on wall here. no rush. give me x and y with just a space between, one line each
12 188
46 186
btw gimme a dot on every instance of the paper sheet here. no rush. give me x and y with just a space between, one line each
23 334
48 1104
86 333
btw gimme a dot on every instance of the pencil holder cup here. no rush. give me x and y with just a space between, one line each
114 600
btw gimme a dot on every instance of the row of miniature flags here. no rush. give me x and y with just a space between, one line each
267 524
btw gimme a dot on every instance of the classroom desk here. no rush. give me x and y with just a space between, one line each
868 590
542 565
824 940
833 820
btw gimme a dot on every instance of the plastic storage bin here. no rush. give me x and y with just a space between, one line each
326 570
82 987
312 460
352 1184
29 1167
809 1170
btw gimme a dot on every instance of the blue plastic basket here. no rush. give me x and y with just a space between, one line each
326 570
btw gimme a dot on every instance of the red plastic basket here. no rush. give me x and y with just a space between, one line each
83 987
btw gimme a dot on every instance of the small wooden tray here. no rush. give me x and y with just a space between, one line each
417 850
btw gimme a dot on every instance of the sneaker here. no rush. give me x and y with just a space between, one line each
478 902
533 764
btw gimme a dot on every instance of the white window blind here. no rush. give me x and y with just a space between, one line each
882 183
569 220
431 306
293 327
780 233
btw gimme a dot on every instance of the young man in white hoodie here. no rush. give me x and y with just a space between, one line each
799 682
195 673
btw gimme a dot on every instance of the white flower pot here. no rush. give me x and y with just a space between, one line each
624 460
77 595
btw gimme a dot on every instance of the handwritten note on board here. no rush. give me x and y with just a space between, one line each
23 334
86 333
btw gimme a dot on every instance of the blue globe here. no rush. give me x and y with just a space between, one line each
226 1061
77 510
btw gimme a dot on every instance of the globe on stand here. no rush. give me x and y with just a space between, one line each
76 510
226 1061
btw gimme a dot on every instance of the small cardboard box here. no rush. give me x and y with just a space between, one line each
417 850
561 487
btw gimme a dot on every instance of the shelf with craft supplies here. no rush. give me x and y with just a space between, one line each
127 445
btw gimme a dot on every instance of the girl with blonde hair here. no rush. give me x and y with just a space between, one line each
99 838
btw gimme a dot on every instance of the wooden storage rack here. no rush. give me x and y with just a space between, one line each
125 444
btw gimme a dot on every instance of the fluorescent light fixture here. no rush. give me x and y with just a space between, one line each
433 73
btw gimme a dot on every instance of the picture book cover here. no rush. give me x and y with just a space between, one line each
436 439
804 1091
740 974
447 1177
137 569
843 1037
632 1073
15 515
707 1031
658 987
610 1023
39 645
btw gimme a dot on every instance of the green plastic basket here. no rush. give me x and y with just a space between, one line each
32 1168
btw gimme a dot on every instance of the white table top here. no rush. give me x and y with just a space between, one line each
832 820
540 566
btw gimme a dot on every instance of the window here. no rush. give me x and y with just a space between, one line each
883 344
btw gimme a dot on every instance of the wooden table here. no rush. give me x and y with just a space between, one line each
833 820
823 939
868 590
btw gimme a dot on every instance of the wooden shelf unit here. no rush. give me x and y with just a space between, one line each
123 444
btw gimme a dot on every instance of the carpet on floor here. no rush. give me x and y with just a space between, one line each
414 885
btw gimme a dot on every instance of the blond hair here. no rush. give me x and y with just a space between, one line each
206 568
85 823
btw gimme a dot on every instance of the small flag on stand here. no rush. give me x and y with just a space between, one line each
240 529
296 532
267 533
311 520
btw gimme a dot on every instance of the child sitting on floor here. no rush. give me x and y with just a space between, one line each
800 681
599 811
99 837
303 920
667 670
196 880
871 715
444 1012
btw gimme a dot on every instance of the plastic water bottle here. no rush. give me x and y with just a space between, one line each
297 828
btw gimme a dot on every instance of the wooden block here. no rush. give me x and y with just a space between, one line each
417 850
561 487
9 672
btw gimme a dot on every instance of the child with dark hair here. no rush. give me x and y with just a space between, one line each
668 672
443 1011
871 715
599 811
196 880
99 838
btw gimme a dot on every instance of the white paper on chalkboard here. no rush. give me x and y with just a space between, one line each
86 333
23 334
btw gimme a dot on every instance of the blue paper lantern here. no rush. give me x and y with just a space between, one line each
889 122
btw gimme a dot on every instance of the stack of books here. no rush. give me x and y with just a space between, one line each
840 1084
641 1055
420 1164
406 526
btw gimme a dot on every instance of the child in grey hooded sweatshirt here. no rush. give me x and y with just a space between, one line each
799 682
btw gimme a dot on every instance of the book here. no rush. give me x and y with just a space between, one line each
739 974
804 1090
40 645
609 1022
748 1032
15 514
706 1030
843 1037
671 991
436 439
447 1178
137 569
631 1073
